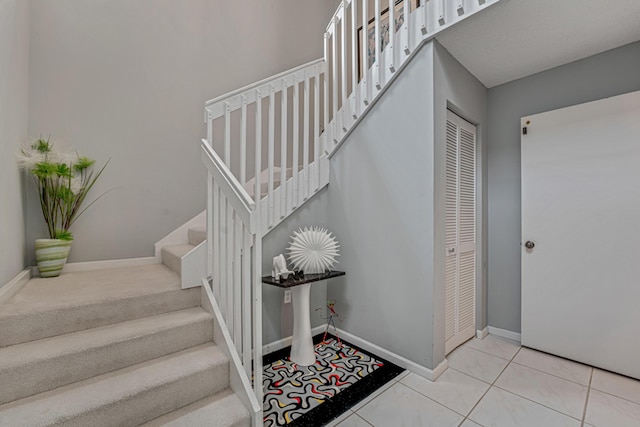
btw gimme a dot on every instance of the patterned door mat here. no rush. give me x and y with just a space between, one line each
343 375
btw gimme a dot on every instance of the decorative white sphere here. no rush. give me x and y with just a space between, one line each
313 250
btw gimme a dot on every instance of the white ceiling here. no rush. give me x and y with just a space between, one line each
517 38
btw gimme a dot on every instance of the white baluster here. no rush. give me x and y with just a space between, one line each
306 112
377 28
237 283
425 18
243 140
326 78
271 152
316 124
354 104
222 227
215 213
295 162
246 300
405 26
229 257
364 66
227 135
257 192
283 149
392 35
209 115
335 81
343 66
257 316
441 12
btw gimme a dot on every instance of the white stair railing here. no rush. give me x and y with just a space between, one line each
233 246
358 72
274 137
284 116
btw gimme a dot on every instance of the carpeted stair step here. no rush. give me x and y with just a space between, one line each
172 256
78 301
43 365
197 235
223 409
129 396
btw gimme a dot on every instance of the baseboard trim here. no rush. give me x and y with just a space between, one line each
74 267
482 333
430 374
510 335
286 342
14 285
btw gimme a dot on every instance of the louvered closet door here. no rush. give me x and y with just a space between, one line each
460 277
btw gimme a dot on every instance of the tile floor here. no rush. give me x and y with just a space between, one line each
496 382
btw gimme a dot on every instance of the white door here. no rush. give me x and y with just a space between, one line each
581 217
460 277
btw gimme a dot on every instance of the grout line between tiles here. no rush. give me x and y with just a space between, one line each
615 395
358 415
586 402
491 386
431 399
538 403
469 375
549 373
494 355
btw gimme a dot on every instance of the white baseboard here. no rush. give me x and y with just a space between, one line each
430 374
510 335
74 267
14 285
482 333
286 342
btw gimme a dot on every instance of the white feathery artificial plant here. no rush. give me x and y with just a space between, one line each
313 250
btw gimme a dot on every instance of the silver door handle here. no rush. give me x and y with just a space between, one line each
529 244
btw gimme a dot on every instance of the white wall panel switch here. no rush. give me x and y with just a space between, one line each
287 296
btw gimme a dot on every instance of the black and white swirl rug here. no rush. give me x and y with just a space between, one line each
313 395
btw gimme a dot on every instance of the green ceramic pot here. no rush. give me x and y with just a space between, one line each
51 255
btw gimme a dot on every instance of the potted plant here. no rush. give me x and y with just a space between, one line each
63 179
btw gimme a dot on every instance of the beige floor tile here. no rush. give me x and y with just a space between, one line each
499 408
563 368
354 421
605 410
455 390
478 364
340 419
493 345
556 393
618 385
401 406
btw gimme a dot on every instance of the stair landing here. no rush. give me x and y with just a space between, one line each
84 287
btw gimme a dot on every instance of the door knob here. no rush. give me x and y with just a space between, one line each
529 244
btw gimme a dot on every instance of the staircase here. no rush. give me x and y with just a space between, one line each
268 144
117 347
134 346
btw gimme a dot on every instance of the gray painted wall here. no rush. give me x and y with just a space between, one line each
277 317
607 74
457 89
381 210
127 80
14 58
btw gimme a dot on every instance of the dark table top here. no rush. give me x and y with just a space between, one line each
307 278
